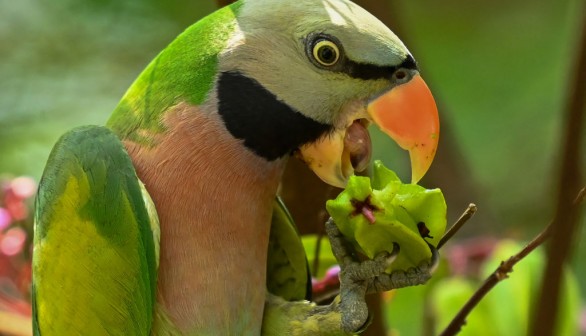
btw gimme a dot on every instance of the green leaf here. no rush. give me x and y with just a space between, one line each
382 176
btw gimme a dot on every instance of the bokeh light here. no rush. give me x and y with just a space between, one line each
12 241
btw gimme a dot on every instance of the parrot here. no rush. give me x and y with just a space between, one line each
167 220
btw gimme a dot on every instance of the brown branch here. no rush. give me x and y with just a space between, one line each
502 272
498 275
468 213
317 251
566 217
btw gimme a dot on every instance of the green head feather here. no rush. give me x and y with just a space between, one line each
183 72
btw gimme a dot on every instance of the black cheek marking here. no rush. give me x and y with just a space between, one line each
268 126
423 230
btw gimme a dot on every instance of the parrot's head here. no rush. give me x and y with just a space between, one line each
309 76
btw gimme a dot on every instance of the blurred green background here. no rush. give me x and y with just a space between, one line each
500 70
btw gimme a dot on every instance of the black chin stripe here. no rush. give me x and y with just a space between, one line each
268 126
371 71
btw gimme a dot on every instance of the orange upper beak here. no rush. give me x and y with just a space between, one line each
408 114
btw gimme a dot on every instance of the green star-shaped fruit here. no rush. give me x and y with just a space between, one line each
374 216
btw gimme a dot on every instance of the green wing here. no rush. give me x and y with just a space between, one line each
96 241
288 273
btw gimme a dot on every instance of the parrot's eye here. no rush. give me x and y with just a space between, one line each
326 52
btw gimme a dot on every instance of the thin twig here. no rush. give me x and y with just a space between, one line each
501 273
468 213
566 217
317 251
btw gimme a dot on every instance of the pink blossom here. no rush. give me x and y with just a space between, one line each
15 205
23 187
5 219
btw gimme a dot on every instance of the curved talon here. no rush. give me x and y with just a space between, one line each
435 257
366 324
394 254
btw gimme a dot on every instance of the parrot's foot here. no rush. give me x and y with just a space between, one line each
358 278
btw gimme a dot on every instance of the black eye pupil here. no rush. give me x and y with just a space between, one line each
327 54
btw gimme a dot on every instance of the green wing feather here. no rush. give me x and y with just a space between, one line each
288 273
96 241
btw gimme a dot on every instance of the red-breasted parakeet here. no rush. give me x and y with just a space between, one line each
198 144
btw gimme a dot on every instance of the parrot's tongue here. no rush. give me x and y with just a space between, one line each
357 145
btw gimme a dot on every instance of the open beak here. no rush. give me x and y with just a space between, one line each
407 113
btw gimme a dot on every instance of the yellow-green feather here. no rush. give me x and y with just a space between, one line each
94 259
300 318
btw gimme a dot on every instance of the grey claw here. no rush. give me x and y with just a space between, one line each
411 277
357 278
435 257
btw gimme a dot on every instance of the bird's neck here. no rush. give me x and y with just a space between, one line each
214 200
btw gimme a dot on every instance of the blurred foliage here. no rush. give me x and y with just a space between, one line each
324 251
499 68
505 311
67 63
427 310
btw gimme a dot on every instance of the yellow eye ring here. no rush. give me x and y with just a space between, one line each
326 52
